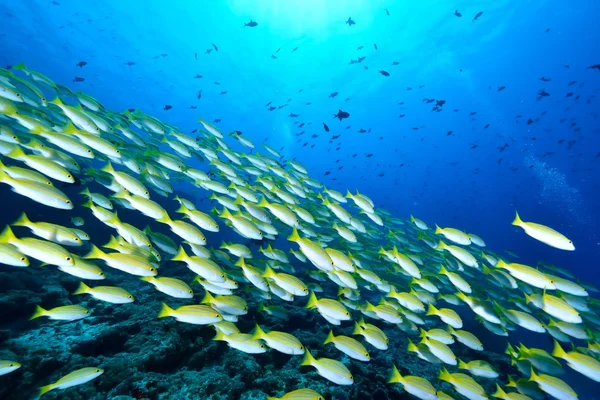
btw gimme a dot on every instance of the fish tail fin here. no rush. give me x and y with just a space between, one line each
263 203
395 376
16 153
308 359
82 289
329 337
444 375
207 299
86 192
182 209
57 101
19 67
517 221
438 230
441 245
94 252
39 312
260 308
411 346
312 301
22 220
499 393
219 335
108 168
181 255
121 194
443 269
269 273
147 278
558 350
357 330
294 237
431 310
7 235
258 333
45 389
165 311
461 364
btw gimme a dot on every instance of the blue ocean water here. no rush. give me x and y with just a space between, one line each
493 147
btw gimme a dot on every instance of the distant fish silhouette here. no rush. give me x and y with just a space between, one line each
479 14
81 64
595 66
215 46
459 15
375 45
501 88
387 12
341 115
251 24
384 73
168 107
292 115
294 49
333 95
129 63
350 22
325 127
78 79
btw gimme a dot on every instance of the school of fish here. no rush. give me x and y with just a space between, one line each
385 270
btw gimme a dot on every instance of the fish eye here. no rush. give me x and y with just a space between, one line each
76 239
118 151
152 270
130 297
22 258
217 315
348 314
97 370
68 201
89 151
11 365
87 311
68 258
43 99
101 273
222 275
301 348
18 95
190 292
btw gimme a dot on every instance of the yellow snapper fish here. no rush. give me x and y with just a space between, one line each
299 394
415 385
242 342
62 313
329 369
280 341
349 346
109 294
42 250
10 255
170 286
554 386
544 234
38 192
584 364
52 232
78 377
194 314
464 385
8 366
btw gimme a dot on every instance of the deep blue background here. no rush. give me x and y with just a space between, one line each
436 177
